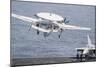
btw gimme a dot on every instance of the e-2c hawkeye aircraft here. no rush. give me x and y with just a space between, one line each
48 22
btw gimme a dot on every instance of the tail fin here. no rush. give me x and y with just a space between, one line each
89 42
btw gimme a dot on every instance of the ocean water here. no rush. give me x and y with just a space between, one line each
27 44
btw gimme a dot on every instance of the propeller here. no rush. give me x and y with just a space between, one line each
45 34
30 27
61 30
66 21
35 15
38 30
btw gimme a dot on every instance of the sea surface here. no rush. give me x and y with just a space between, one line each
27 44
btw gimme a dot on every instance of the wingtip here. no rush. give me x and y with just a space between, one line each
87 29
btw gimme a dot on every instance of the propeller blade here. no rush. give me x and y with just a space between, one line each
61 30
30 27
45 34
64 19
38 32
35 15
59 36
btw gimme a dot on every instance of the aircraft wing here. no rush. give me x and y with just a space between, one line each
28 19
71 27
85 49
24 18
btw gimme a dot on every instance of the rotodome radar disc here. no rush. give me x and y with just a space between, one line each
50 16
